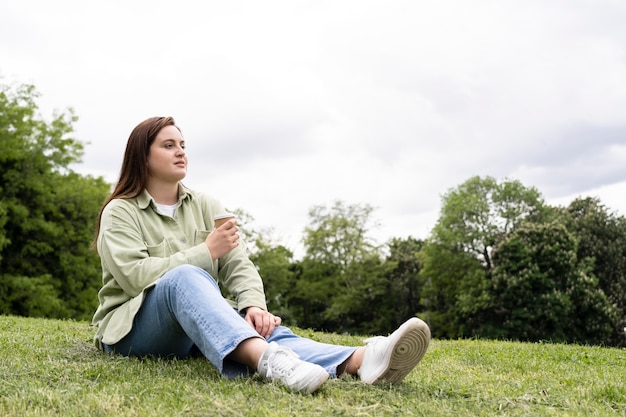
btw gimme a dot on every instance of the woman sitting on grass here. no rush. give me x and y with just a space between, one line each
161 258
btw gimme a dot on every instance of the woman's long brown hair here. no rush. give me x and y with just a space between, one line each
134 173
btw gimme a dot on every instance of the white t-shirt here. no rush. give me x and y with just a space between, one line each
167 210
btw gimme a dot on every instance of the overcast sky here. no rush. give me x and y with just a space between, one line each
290 104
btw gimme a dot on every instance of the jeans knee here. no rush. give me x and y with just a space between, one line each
186 269
188 273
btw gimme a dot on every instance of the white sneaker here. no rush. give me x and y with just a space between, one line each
389 359
281 364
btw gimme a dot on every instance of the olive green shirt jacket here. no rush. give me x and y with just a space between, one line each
137 245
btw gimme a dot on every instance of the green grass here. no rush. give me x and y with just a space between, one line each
51 368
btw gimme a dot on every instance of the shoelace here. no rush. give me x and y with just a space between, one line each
284 366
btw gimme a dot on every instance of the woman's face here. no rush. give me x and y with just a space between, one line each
167 160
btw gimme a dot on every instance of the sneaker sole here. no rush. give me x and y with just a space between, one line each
410 346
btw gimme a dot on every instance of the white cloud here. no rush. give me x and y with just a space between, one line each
286 105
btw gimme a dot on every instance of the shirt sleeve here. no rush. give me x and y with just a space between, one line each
242 279
125 254
237 273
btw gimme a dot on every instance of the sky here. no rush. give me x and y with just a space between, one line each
288 105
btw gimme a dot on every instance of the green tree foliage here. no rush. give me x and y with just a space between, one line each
602 237
4 218
502 264
481 211
543 291
402 299
47 213
457 258
339 235
315 287
340 278
273 261
455 289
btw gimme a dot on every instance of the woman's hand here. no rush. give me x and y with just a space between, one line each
262 321
223 239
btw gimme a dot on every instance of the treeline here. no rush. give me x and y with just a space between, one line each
47 213
499 262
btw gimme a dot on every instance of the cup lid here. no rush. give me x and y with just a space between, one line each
223 216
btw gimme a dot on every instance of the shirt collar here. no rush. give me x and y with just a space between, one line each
144 199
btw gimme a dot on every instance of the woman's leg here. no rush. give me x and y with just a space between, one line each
186 308
383 360
329 357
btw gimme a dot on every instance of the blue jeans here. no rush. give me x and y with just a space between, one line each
185 310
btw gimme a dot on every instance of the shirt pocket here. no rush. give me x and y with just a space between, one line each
200 236
160 250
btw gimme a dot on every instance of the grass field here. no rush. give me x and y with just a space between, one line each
51 368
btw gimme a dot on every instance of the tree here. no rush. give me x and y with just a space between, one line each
602 238
340 275
482 211
47 213
339 234
447 271
315 287
543 291
402 299
456 258
273 261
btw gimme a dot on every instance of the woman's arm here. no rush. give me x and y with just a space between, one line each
125 253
